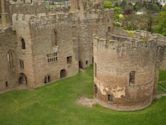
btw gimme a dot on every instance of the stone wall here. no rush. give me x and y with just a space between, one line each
34 8
89 25
50 38
58 43
40 60
85 45
162 46
8 59
125 72
163 60
22 28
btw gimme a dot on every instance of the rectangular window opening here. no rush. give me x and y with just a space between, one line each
132 77
52 57
69 59
110 97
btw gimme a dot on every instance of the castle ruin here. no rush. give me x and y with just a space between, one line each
125 71
40 44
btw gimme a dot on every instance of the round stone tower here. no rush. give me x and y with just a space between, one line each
125 72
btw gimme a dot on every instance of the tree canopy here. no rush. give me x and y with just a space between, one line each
161 22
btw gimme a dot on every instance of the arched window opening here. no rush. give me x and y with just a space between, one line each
55 38
10 59
23 46
109 29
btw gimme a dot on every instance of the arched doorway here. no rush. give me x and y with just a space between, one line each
22 79
80 65
63 73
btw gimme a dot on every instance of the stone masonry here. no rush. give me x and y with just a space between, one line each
41 43
126 69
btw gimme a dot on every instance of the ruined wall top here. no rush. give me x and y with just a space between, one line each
25 1
60 17
129 39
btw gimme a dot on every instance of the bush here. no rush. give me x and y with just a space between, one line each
161 23
107 4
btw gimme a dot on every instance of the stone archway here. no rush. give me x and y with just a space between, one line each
22 80
63 73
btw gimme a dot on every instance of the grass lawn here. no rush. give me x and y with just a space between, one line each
162 83
55 104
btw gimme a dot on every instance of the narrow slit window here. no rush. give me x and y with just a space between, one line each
95 70
109 29
6 84
86 62
132 77
55 38
23 46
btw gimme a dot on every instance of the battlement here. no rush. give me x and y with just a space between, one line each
25 1
49 19
54 17
119 42
34 8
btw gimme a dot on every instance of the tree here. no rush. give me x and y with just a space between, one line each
161 22
153 7
149 21
138 6
123 4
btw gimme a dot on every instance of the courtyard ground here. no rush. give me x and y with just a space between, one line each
55 104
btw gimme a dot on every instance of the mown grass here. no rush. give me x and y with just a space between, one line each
162 76
162 82
55 104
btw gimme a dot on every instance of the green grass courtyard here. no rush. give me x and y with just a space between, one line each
55 104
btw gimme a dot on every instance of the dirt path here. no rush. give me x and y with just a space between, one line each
87 102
